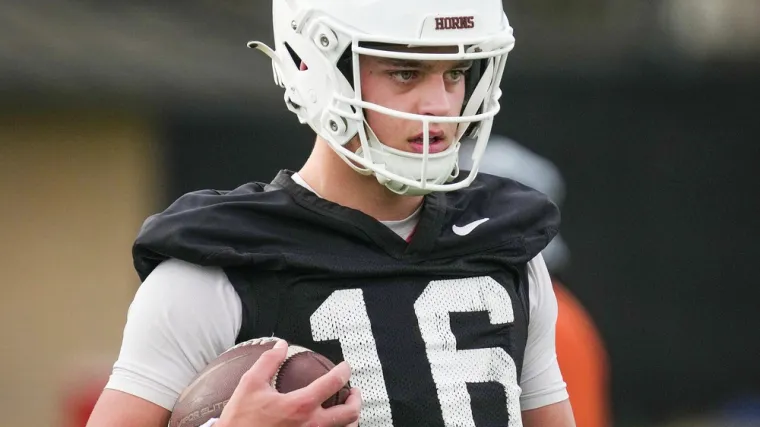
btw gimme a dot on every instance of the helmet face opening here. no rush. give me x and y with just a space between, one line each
318 60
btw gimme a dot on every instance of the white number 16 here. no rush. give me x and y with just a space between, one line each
343 316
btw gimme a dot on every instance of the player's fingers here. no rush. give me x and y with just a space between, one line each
327 385
266 366
343 415
353 399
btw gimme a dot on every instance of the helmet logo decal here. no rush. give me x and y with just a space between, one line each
454 23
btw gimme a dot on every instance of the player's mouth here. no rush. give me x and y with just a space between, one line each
437 142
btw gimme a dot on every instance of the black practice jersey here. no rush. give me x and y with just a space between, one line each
434 329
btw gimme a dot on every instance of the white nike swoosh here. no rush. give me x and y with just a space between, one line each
467 229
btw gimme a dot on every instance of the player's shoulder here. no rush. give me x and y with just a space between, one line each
175 270
195 209
500 197
498 191
513 210
186 289
537 267
210 198
206 227
500 215
178 280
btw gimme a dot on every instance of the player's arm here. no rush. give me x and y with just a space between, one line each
544 400
555 415
181 318
119 409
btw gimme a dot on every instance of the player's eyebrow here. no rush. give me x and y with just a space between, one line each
403 63
462 65
412 63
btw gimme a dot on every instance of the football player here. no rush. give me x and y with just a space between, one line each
424 281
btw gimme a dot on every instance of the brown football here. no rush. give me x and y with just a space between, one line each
205 397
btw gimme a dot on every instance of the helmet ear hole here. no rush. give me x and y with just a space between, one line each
296 59
346 66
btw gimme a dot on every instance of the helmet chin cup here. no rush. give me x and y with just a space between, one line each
381 177
394 186
355 166
440 169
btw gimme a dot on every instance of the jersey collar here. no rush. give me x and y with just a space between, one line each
356 222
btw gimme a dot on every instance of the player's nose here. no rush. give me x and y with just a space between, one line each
435 99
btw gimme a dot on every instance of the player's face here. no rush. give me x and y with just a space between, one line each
430 88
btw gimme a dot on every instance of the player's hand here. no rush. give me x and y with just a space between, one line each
256 403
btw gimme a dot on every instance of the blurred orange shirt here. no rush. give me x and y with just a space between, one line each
582 360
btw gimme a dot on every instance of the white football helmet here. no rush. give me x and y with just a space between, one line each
329 35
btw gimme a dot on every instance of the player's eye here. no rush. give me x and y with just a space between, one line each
455 76
404 76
